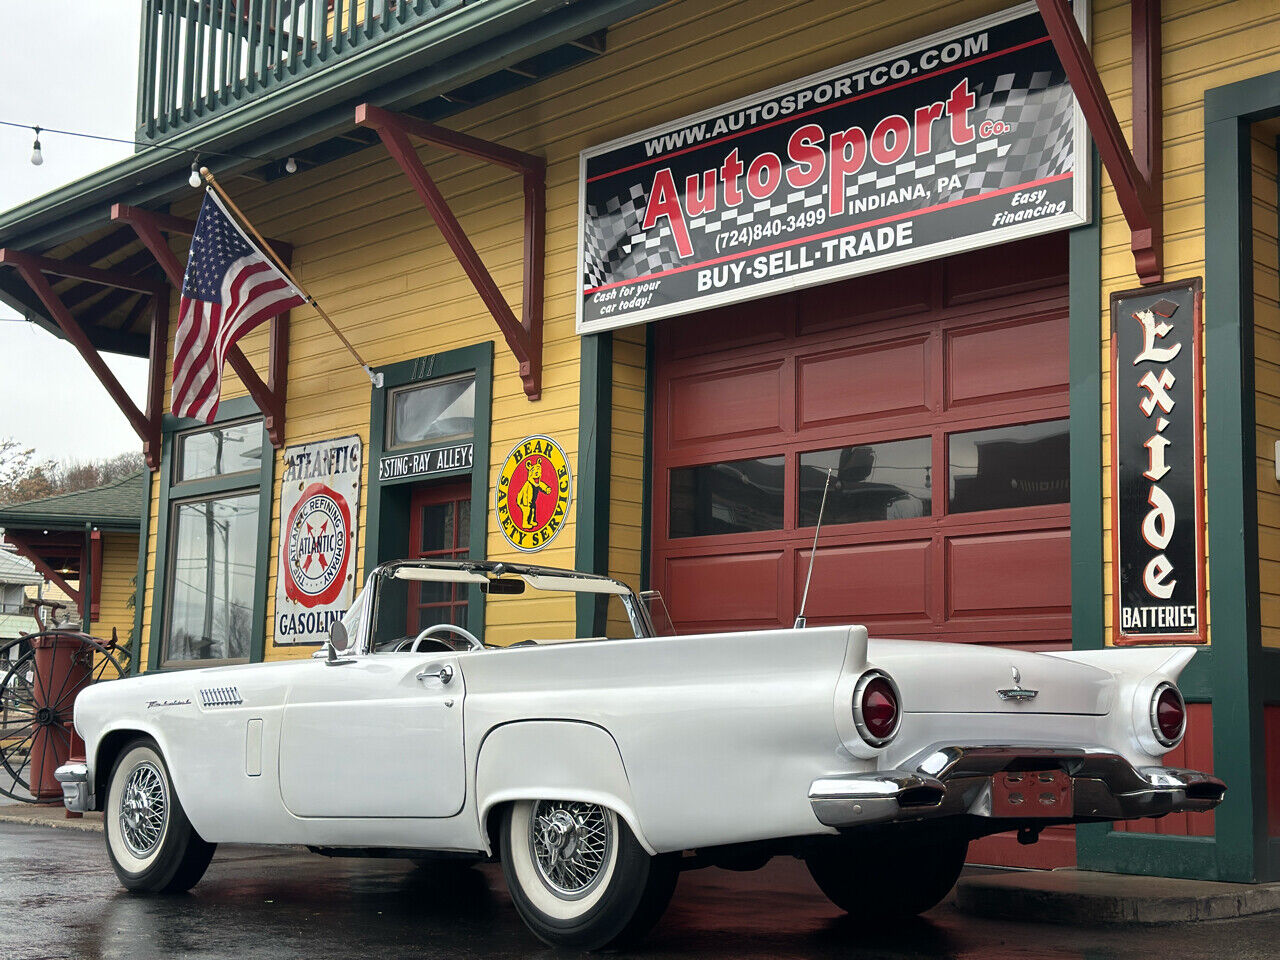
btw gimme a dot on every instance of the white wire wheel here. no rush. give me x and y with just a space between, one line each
578 876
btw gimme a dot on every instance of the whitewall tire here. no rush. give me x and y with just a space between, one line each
150 842
577 875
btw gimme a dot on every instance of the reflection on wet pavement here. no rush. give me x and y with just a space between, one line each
62 901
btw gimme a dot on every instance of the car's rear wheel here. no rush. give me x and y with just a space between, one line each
886 882
150 842
578 877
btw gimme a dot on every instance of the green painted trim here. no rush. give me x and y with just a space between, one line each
67 521
1246 101
1231 479
595 442
238 408
1268 664
1147 854
447 363
1088 591
1196 682
140 588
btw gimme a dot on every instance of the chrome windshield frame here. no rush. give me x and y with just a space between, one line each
470 571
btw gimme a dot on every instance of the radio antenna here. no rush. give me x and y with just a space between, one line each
813 554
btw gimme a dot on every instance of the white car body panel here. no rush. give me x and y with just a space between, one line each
696 741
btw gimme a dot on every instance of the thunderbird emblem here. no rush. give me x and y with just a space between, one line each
1017 691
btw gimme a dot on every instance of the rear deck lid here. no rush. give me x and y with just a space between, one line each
969 678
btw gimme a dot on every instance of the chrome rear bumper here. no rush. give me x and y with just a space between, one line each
947 780
76 793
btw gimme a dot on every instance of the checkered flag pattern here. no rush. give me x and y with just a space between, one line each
1038 107
617 249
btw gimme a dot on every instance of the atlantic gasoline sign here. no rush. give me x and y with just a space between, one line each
965 139
533 493
1158 492
319 510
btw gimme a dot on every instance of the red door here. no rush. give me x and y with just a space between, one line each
935 396
439 529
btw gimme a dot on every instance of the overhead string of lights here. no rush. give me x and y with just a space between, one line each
37 152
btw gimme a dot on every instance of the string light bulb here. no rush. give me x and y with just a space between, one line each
194 179
37 157
291 165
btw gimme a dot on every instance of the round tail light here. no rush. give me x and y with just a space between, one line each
876 708
1168 715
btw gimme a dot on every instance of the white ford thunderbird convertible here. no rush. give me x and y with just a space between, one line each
597 769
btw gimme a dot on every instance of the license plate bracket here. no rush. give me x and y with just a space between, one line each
1032 794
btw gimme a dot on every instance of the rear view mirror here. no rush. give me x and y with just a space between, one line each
507 586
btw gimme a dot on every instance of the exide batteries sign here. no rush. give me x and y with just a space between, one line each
964 139
1158 489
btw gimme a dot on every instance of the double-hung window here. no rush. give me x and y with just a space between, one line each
213 544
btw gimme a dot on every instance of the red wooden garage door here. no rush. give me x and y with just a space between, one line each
936 395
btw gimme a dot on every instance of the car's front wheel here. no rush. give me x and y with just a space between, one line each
886 881
578 876
150 842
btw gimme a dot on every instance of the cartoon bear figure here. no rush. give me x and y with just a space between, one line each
527 497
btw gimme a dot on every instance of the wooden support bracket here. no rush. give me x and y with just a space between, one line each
524 335
32 268
27 549
1137 175
270 396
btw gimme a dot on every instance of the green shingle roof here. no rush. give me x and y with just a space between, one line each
114 506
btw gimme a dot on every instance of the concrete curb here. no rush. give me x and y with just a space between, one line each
1081 896
91 823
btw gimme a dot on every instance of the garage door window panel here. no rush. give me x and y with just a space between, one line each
1009 467
869 482
738 496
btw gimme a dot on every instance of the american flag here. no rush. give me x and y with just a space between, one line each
229 288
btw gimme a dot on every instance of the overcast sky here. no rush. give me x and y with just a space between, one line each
70 66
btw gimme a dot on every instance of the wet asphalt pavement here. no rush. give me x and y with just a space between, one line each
59 899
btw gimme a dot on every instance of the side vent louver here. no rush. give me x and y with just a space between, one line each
220 697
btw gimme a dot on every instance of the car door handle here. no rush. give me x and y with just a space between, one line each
444 674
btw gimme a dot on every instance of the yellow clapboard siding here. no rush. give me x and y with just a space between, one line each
119 568
365 246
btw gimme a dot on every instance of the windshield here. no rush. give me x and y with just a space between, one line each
426 607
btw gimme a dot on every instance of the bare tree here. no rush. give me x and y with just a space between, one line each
24 476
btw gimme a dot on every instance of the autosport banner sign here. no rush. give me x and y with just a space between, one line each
1158 492
319 514
967 138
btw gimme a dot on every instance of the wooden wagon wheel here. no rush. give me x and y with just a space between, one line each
40 676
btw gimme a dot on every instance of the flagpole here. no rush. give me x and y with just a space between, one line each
207 174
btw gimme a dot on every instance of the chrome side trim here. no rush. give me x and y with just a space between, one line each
955 780
76 794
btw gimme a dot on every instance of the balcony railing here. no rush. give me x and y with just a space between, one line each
202 57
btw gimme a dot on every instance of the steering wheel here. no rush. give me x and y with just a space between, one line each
431 631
